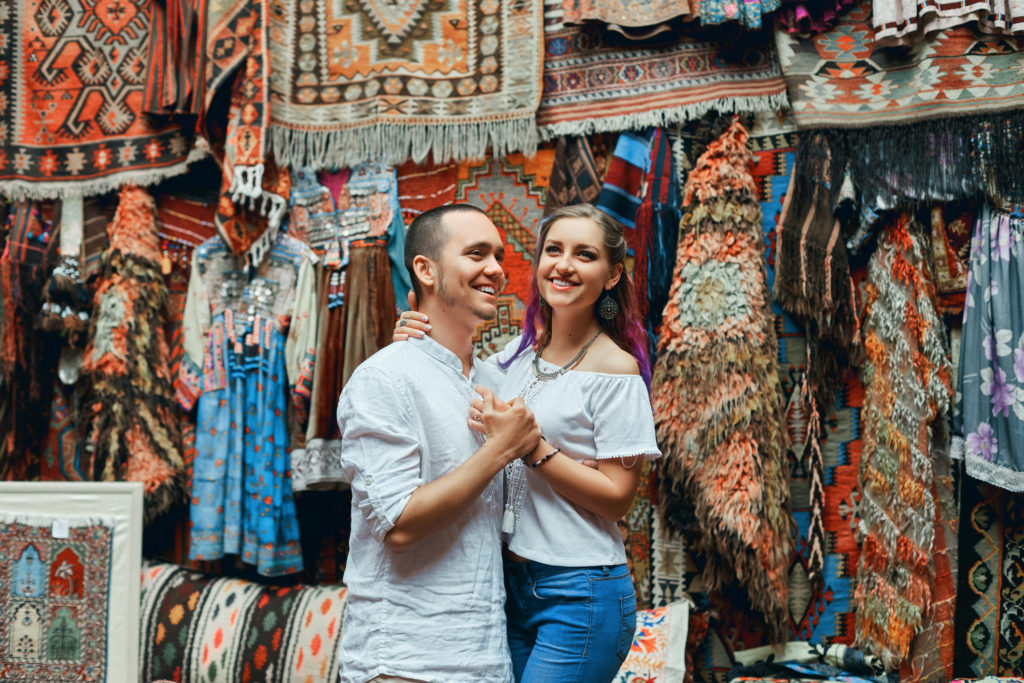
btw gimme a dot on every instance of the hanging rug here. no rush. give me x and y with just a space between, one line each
840 79
72 75
364 80
597 81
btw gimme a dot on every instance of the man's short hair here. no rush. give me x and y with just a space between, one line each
427 236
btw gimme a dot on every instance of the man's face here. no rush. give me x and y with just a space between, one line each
469 271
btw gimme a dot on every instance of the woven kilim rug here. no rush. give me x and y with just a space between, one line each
990 592
53 599
597 81
840 79
71 79
354 81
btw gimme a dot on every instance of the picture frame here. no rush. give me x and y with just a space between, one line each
70 575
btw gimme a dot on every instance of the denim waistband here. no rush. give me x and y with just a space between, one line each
539 569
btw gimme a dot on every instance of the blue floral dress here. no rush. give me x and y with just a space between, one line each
990 391
249 353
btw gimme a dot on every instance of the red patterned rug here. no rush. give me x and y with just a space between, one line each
72 74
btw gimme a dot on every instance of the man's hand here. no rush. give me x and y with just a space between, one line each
510 427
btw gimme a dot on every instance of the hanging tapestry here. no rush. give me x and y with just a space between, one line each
423 186
55 599
658 651
636 527
597 81
512 192
366 81
625 13
200 628
716 391
990 592
746 13
71 82
907 383
907 22
130 424
991 379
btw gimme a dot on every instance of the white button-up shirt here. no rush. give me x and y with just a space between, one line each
433 612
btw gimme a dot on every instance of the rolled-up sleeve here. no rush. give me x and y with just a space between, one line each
380 450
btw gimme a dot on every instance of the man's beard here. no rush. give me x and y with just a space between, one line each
445 296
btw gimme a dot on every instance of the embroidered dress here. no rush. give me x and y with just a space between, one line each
247 341
990 391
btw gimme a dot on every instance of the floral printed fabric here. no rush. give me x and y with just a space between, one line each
990 395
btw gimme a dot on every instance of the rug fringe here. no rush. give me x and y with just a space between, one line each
72 521
666 117
21 190
396 143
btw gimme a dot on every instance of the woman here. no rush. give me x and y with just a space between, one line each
581 366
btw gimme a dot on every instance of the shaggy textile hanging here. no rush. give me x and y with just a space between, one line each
991 369
128 421
907 381
597 81
907 22
73 82
716 390
942 121
366 81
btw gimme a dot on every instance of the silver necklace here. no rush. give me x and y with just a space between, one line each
542 375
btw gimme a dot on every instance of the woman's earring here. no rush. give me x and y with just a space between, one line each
608 308
543 301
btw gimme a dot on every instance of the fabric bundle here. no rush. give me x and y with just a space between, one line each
575 178
907 382
128 421
716 390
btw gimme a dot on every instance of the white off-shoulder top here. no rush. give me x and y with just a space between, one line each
588 415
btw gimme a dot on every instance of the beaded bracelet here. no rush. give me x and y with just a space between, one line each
545 458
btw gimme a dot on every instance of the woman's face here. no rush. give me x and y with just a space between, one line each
574 266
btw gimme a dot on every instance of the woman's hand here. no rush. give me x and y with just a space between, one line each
411 323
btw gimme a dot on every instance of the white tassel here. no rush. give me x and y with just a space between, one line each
508 520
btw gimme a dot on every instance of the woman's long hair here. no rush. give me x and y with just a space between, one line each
625 329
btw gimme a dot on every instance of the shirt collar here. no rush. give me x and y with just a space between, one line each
442 354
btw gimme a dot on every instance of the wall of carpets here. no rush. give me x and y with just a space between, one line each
205 212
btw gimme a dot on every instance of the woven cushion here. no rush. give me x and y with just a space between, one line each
201 628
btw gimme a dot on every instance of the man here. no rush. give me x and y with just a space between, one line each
424 570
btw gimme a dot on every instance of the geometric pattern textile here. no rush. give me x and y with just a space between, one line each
221 630
596 81
838 79
990 592
71 82
53 603
619 13
365 80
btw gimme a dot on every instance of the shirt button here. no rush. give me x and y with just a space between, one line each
369 480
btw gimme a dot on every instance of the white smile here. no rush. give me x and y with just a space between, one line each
563 283
486 289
